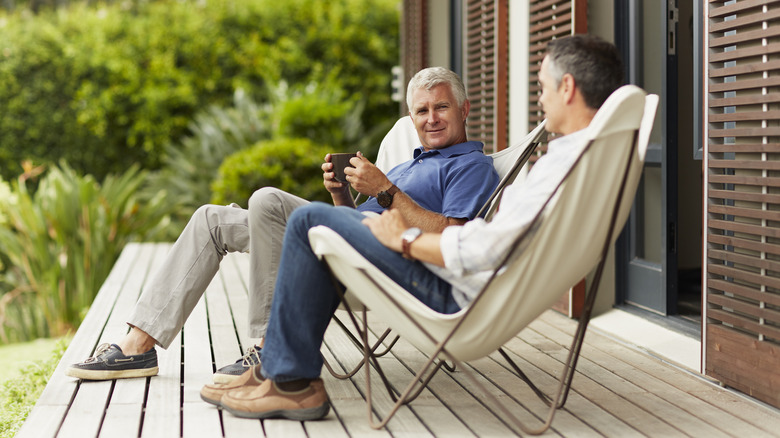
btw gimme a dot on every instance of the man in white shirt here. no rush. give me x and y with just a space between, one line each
443 270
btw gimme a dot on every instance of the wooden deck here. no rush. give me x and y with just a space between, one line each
618 391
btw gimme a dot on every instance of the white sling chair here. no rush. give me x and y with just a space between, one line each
569 236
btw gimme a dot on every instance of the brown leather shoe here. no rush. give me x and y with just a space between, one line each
212 393
268 401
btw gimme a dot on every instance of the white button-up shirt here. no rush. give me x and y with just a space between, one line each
472 251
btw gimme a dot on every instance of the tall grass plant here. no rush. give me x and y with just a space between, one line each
59 243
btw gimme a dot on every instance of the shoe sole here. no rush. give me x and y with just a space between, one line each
110 375
211 400
290 414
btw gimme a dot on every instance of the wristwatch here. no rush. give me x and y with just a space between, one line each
385 197
407 237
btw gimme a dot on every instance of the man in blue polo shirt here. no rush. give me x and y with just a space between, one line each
445 183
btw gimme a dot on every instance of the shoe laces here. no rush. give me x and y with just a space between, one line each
251 356
102 348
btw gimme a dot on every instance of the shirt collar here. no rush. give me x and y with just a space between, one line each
454 150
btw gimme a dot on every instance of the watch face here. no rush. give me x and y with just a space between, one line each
411 234
384 199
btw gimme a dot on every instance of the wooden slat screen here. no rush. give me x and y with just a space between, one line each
414 42
743 197
487 57
549 19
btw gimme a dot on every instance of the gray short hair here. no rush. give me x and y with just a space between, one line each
428 78
594 63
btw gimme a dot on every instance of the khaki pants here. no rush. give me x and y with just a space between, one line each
194 259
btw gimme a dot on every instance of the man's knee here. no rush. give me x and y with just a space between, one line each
268 202
211 216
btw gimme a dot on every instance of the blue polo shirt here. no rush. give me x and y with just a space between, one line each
453 181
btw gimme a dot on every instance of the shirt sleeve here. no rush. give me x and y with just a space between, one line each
481 246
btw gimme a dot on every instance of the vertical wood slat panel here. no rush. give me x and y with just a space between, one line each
487 71
549 19
743 196
414 42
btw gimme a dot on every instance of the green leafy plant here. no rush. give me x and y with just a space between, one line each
292 165
19 394
61 242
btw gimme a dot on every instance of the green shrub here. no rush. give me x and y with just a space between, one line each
190 165
292 165
321 112
107 85
19 395
61 242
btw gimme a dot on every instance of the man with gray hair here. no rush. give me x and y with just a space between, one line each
445 184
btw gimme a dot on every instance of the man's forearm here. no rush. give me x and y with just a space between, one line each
421 218
343 199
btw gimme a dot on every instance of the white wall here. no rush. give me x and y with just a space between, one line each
439 33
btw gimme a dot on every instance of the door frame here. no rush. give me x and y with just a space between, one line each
628 28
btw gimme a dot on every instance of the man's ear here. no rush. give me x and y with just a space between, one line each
466 107
568 88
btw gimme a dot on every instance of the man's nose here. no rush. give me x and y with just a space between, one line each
433 118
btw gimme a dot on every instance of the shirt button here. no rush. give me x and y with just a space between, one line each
420 161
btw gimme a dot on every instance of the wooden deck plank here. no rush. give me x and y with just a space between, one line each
162 417
654 376
198 417
92 397
236 280
59 391
519 398
545 371
406 423
225 342
618 391
86 411
347 403
224 339
458 396
122 420
681 411
594 420
652 402
751 418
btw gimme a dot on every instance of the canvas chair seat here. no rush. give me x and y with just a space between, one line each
568 238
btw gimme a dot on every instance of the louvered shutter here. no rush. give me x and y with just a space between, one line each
742 161
549 19
414 43
487 56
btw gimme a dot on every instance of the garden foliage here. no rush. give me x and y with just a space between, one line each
287 164
19 395
104 86
321 112
59 243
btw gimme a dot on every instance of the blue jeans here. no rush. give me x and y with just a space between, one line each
305 297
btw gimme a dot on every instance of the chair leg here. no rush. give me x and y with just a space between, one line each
359 345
